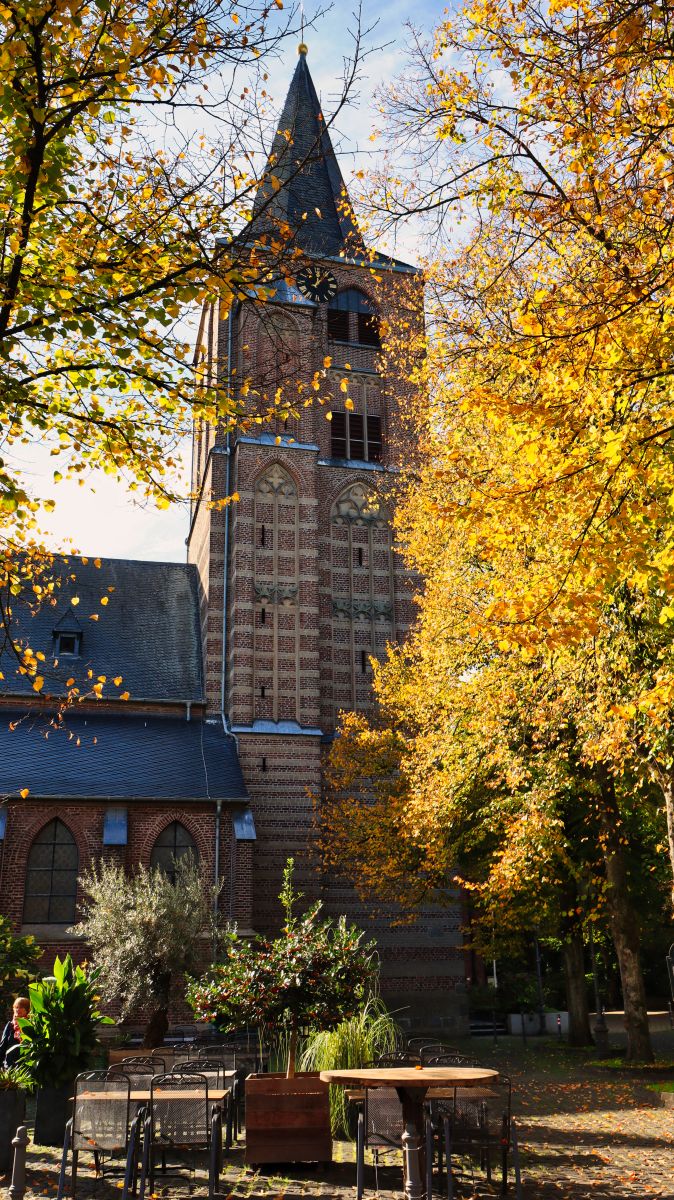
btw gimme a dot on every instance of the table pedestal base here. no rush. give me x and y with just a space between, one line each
413 1142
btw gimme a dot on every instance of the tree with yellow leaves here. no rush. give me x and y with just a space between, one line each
117 212
537 145
545 136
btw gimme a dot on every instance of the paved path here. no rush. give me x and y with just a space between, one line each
582 1138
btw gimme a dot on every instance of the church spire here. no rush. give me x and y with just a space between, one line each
303 160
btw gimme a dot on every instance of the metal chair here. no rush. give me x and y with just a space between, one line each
100 1125
433 1050
397 1058
216 1075
144 1062
477 1129
380 1126
452 1059
228 1057
180 1119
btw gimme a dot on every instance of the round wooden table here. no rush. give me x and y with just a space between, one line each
412 1084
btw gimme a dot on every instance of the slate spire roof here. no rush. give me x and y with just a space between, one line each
303 160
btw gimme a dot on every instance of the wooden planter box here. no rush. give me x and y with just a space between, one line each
287 1120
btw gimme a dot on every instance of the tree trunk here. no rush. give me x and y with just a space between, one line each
292 1054
576 989
624 927
156 1028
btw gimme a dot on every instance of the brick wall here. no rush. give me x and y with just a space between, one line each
25 819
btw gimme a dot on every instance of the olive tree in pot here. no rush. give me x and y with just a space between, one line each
313 975
58 1041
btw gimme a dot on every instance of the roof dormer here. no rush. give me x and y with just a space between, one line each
67 634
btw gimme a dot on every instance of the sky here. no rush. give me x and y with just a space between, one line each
101 518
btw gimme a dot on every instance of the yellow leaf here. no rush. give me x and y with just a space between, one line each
38 683
124 696
24 792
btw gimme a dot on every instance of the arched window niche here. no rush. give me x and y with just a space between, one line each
174 843
50 895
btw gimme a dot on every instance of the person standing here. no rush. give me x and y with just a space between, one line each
10 1042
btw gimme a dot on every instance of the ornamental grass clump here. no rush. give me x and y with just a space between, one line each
316 973
355 1042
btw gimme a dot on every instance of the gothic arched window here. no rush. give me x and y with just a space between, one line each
173 844
51 877
353 318
362 593
276 584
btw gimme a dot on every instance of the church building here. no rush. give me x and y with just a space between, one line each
236 665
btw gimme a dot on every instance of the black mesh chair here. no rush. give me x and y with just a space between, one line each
478 1133
152 1063
380 1127
398 1058
228 1057
439 1108
217 1077
101 1125
225 1055
181 1121
430 1051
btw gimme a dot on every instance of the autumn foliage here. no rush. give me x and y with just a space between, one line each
533 702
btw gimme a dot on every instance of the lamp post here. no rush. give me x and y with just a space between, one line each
539 983
600 1029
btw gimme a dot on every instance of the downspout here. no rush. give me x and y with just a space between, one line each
225 576
216 873
225 569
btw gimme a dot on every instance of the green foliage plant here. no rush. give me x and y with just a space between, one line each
358 1040
60 1036
317 973
15 1078
18 956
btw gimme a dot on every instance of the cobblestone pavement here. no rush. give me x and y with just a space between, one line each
582 1137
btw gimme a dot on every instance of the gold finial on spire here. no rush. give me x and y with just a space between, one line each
302 48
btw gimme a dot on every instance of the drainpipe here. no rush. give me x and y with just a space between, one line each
223 679
216 875
225 569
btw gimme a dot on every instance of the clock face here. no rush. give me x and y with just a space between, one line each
317 283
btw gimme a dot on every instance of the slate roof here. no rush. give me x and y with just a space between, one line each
148 632
112 757
303 159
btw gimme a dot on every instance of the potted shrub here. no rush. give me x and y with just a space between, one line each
59 1039
14 1083
314 975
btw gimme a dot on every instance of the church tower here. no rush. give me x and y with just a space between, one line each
300 582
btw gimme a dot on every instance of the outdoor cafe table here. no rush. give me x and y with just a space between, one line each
412 1084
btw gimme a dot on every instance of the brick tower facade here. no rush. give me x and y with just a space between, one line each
300 583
